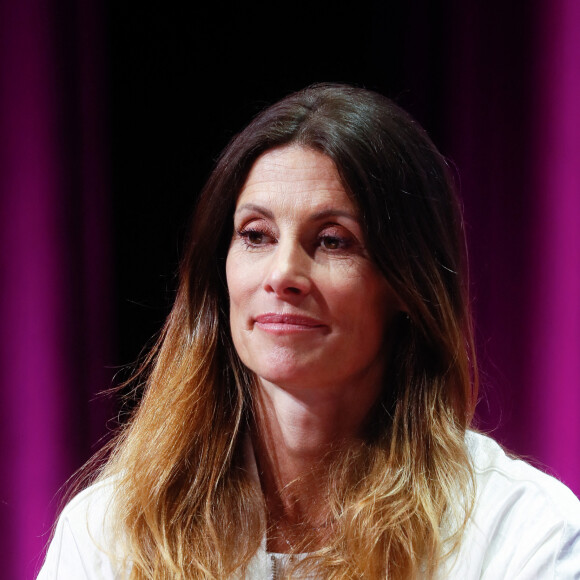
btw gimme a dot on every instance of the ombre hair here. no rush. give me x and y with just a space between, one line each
184 502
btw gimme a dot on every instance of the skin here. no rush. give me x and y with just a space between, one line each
310 315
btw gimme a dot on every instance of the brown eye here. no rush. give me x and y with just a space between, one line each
255 237
331 243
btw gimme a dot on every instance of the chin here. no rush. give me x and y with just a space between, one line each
285 378
280 376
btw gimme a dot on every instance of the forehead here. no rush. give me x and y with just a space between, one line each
295 175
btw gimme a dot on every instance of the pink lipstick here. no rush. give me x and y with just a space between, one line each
287 323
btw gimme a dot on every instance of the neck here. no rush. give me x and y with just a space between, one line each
297 433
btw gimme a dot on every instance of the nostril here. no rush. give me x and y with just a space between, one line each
288 274
282 286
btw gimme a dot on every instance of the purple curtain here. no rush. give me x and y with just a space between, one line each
53 232
513 95
553 375
510 86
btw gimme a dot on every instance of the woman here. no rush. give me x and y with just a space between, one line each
306 409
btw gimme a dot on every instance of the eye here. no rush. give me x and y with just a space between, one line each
254 238
332 242
334 238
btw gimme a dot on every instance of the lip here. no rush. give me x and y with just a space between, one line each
281 323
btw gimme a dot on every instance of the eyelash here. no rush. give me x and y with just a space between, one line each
342 243
247 233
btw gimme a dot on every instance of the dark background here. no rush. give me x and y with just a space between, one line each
183 80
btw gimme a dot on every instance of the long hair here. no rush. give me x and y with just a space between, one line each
185 503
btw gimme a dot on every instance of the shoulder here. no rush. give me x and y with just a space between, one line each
92 501
84 542
500 477
525 523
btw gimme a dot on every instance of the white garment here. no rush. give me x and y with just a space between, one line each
525 525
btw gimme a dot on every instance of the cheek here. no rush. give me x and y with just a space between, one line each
234 281
230 271
233 292
369 303
239 283
355 290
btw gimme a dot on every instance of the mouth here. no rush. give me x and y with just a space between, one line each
287 323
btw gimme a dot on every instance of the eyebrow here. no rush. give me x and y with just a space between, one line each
319 215
333 212
255 207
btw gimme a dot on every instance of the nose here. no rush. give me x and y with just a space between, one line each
289 271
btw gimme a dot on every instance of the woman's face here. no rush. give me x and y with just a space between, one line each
308 308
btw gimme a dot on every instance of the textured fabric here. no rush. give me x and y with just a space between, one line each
525 525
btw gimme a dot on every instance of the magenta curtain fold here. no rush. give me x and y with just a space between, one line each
54 305
514 123
553 375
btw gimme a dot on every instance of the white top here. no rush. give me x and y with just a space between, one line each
525 525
